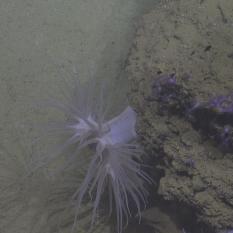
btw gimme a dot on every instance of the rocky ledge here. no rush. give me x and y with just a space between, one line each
180 73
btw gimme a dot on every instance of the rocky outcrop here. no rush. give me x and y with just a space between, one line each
191 41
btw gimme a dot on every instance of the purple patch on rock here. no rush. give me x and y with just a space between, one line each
222 103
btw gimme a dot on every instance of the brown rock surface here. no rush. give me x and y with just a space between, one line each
194 40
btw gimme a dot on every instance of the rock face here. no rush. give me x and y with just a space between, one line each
192 41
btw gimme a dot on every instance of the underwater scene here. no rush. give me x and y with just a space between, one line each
116 116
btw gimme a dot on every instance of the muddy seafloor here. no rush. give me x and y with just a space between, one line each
193 41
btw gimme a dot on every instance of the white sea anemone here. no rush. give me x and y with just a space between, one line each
115 167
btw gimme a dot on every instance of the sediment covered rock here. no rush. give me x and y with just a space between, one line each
191 40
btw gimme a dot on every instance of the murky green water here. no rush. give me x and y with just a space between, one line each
46 44
43 43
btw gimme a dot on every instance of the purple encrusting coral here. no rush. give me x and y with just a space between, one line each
214 117
171 96
222 103
164 88
227 231
115 168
